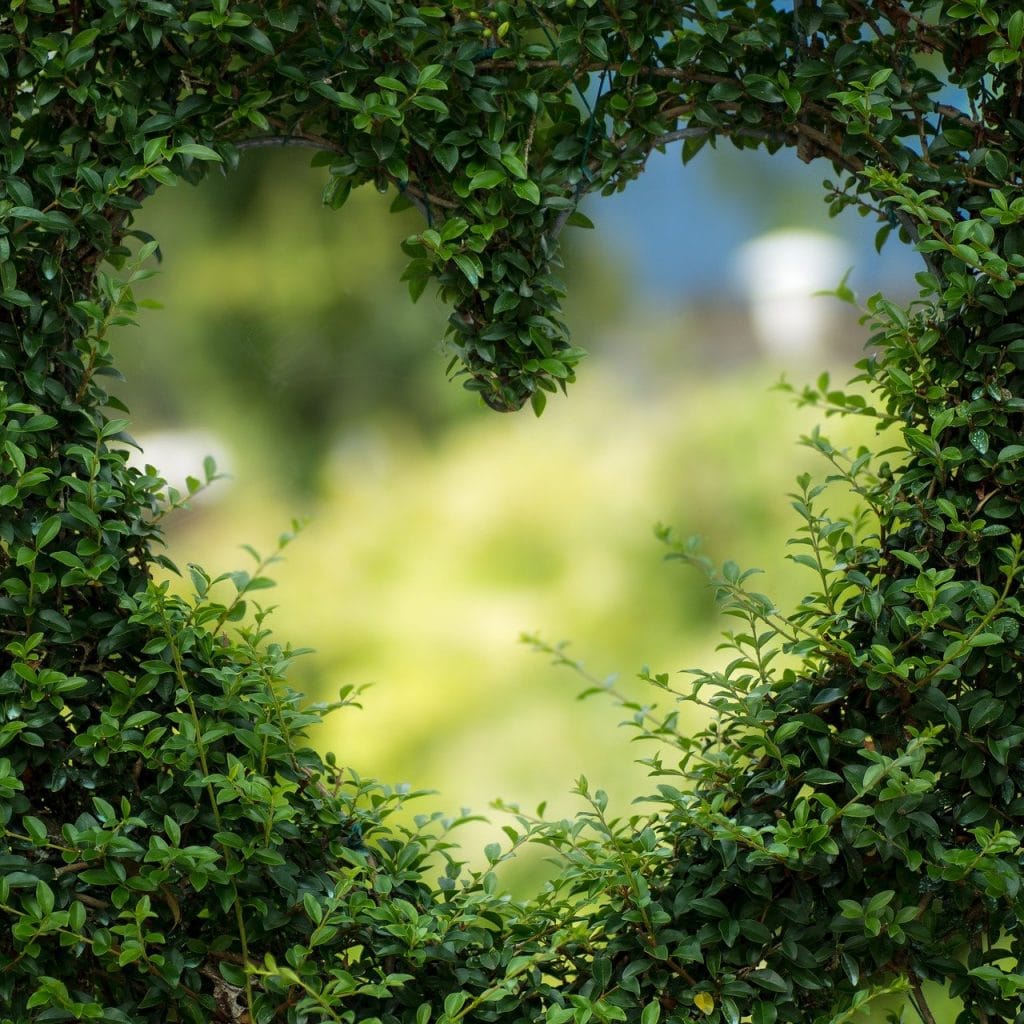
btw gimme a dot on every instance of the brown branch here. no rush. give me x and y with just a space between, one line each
429 197
957 115
91 901
79 865
921 1004
307 141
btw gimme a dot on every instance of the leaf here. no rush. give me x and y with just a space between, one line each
431 103
705 1002
258 40
44 897
428 73
113 427
314 911
77 916
871 776
769 979
517 965
486 179
651 1013
447 157
153 149
555 367
514 165
172 830
470 266
84 38
47 531
598 47
985 640
1015 29
764 1013
35 828
387 82
527 190
879 901
197 152
454 1002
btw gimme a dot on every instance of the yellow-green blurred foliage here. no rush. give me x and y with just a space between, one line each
439 530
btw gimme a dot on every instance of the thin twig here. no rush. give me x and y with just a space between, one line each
418 197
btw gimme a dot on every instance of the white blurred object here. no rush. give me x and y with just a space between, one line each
179 454
780 273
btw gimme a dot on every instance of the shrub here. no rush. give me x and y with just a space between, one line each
848 824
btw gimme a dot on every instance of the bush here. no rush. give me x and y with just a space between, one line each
847 826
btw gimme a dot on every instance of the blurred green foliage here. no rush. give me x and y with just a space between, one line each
287 324
433 520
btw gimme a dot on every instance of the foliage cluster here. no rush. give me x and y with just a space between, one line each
847 826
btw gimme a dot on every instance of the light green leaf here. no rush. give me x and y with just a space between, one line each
514 165
486 179
197 152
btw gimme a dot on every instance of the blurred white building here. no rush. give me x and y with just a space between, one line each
780 273
179 454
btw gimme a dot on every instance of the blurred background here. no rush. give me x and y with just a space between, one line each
439 531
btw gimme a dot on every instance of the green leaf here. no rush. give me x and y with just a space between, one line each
486 180
470 265
879 901
427 74
258 40
77 916
35 828
47 531
431 103
447 157
154 149
598 47
556 368
1015 29
197 152
769 979
84 38
387 82
514 165
985 640
454 1002
518 965
172 830
527 190
314 911
651 1013
856 810
44 897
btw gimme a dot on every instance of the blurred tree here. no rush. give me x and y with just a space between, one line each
291 332
288 329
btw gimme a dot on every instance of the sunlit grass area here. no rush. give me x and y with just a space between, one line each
422 564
